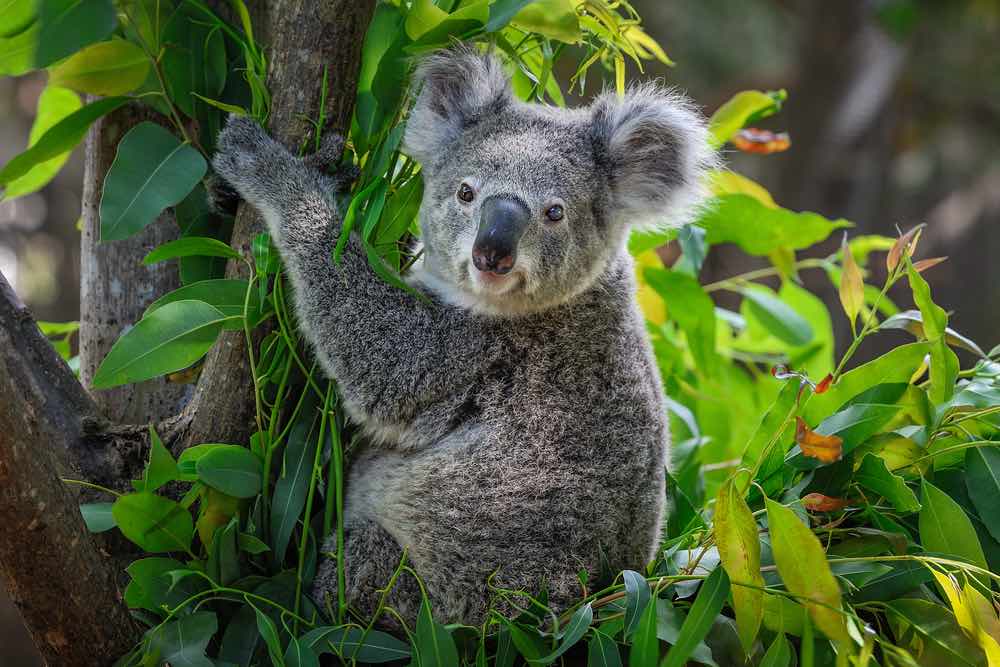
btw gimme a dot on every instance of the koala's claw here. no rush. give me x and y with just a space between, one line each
331 147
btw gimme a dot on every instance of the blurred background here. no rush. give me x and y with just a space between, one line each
894 115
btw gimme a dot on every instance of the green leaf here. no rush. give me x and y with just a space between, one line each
779 653
645 649
423 16
804 570
815 358
161 467
298 654
502 11
168 339
854 425
602 651
776 316
759 229
555 19
382 75
291 488
182 643
912 322
376 647
465 21
59 139
97 516
152 170
228 295
223 564
155 523
233 470
982 478
739 550
944 638
574 631
66 26
636 599
105 68
669 621
706 607
692 309
187 464
433 643
150 587
54 104
191 246
897 365
269 631
251 544
944 363
18 15
732 116
194 61
875 476
945 527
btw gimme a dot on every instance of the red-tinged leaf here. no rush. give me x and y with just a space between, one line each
824 384
925 264
761 142
817 502
908 242
826 448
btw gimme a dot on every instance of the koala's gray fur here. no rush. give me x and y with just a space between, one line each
517 430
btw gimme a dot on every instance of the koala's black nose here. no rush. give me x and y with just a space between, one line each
503 221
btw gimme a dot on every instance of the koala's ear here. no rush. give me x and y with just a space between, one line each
457 88
653 144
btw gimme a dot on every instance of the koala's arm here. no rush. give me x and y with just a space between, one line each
389 351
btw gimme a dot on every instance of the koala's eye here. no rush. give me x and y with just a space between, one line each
466 193
555 213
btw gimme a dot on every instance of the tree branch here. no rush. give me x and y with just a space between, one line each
305 38
65 589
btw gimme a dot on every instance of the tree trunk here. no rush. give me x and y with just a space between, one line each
65 589
115 286
49 426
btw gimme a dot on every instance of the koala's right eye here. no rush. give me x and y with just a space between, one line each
466 193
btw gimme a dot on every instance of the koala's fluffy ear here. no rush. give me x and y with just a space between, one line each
654 145
457 88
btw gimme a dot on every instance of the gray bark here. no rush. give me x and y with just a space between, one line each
116 287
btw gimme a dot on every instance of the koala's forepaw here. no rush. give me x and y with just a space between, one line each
327 160
245 153
221 196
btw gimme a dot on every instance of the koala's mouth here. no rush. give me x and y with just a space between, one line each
490 284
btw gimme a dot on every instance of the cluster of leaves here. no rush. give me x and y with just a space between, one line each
820 515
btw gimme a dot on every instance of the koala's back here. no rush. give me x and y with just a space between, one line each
550 463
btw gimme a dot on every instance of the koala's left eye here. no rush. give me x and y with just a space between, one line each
466 193
555 213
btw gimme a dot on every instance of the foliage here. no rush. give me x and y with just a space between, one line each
821 514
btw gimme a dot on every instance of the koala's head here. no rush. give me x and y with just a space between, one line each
525 204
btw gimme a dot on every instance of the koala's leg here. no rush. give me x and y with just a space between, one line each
389 351
371 556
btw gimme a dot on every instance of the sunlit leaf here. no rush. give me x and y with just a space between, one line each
106 68
556 19
906 242
54 104
941 634
852 286
739 549
59 139
759 229
804 570
776 316
741 109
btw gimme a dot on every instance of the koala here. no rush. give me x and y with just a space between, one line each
514 422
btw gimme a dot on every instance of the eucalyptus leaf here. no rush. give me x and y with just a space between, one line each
233 470
151 171
154 523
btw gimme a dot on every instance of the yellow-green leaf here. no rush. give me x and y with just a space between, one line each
804 569
739 549
852 285
726 182
106 68
556 19
54 104
739 110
